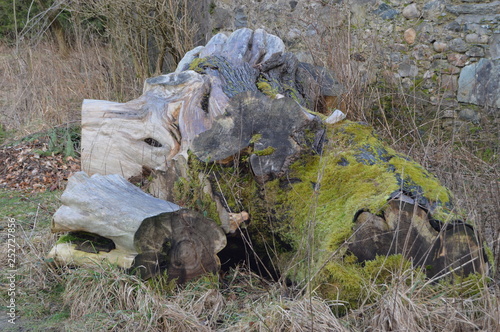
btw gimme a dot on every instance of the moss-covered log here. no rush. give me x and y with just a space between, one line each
315 201
355 198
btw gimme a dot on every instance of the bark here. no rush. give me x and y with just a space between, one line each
406 228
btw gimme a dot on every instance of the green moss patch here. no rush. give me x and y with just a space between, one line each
265 152
191 192
267 89
356 172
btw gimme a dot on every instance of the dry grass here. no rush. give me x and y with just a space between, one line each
42 89
107 298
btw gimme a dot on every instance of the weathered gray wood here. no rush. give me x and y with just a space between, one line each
152 134
252 119
120 138
148 233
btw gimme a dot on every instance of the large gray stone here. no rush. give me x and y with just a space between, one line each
479 84
475 51
411 11
458 45
433 9
477 19
408 70
495 46
240 18
221 18
475 8
386 12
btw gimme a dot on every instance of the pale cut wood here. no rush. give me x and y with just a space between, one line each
150 131
67 254
149 234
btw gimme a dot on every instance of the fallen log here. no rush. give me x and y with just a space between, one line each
148 235
353 196
230 135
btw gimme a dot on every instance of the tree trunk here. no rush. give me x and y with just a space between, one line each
295 192
148 234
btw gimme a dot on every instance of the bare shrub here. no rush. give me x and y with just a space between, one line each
146 30
336 46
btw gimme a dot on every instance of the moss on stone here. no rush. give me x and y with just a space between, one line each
255 138
267 89
265 152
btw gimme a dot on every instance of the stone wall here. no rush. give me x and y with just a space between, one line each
444 52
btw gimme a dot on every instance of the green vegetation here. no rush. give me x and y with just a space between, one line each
65 141
192 191
200 64
255 138
14 17
265 152
3 134
314 212
267 89
29 209
212 7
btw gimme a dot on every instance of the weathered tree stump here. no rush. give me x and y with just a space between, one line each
232 134
150 136
148 234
